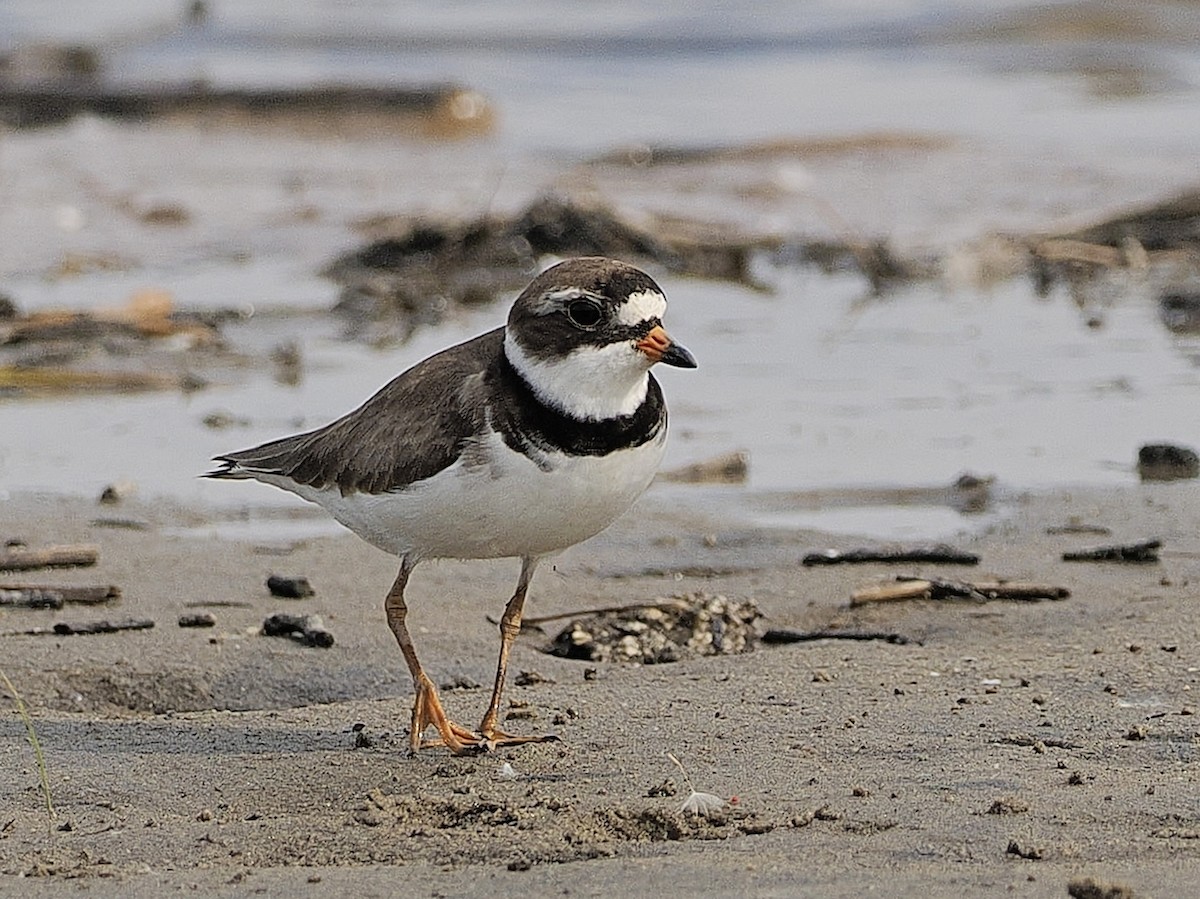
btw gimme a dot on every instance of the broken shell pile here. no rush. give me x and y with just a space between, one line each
677 628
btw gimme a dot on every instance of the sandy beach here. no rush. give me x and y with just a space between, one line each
1007 747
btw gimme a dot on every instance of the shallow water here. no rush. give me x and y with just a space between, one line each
1039 127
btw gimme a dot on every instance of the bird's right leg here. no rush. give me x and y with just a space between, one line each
427 708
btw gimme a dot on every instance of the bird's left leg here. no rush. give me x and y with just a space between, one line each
427 708
510 627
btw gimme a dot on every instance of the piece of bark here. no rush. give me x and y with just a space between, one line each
939 553
82 595
21 558
1141 551
1079 528
307 629
782 635
1019 590
67 628
935 588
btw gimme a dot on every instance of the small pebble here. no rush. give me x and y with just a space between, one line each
289 587
307 629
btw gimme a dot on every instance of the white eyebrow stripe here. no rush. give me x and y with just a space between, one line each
572 293
641 307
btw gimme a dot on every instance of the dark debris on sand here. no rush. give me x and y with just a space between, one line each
1159 242
415 271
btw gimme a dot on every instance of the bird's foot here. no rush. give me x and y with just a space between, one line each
428 712
496 738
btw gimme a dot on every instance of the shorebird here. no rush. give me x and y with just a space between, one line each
519 443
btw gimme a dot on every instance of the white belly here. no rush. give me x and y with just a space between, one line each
504 506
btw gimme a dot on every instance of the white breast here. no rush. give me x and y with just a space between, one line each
497 504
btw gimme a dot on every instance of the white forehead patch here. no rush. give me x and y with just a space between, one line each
642 306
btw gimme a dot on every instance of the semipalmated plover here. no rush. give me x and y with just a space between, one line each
521 442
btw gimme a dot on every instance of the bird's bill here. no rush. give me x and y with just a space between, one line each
659 347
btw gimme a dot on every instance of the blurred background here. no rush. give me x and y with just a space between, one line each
907 241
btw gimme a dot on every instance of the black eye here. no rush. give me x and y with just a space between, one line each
584 313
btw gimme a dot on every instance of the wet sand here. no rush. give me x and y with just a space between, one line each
1009 747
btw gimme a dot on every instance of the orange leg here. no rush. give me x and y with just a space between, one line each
427 708
510 627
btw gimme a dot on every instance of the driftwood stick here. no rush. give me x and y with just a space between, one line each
39 105
1019 590
85 596
934 588
914 589
66 628
1142 551
938 553
1061 249
1080 528
31 597
779 635
20 558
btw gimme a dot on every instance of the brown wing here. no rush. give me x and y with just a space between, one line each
415 426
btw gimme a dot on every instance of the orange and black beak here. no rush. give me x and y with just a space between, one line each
659 346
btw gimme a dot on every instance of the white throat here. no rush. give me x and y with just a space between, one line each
590 382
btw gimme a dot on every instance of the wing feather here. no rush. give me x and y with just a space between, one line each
415 426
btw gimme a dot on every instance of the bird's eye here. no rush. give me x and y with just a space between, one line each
584 313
